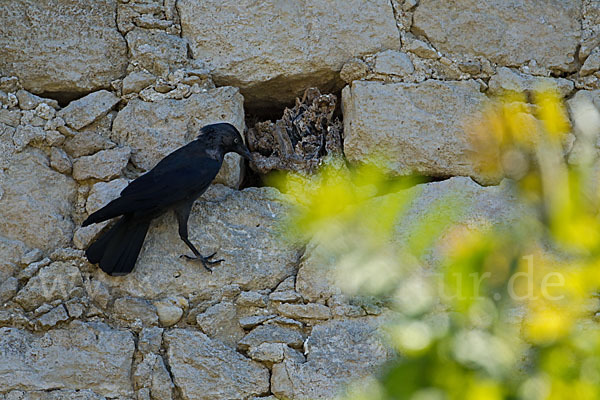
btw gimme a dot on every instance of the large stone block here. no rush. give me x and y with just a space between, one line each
339 353
37 202
412 128
82 356
61 45
509 33
153 130
273 50
207 369
243 227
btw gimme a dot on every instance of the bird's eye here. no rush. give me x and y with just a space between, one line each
236 140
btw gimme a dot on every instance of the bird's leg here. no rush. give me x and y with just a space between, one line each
183 214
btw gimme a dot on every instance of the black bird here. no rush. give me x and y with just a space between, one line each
173 184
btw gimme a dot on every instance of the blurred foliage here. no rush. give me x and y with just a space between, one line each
505 313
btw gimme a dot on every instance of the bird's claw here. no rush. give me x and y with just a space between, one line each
206 261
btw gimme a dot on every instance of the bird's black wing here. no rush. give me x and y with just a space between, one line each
182 175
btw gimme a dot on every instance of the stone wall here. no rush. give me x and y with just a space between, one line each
95 93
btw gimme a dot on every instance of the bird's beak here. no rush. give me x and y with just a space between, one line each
244 152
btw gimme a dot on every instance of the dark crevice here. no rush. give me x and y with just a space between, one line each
65 97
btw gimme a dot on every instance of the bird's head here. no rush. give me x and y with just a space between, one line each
226 137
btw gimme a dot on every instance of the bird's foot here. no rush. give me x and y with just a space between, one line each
206 261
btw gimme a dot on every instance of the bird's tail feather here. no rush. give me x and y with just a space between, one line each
113 209
117 250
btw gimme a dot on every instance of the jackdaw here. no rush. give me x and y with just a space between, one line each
173 184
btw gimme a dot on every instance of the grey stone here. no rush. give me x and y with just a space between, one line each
170 310
86 143
10 117
98 292
412 128
57 281
338 353
207 369
153 130
131 309
54 138
10 84
285 296
161 386
508 80
26 134
85 235
136 81
32 269
52 317
419 48
221 322
103 192
29 101
58 394
60 161
80 347
157 51
150 339
37 201
271 334
314 281
244 226
392 62
506 33
305 311
251 321
591 64
284 57
46 112
8 288
353 70
267 352
32 256
251 299
68 46
104 165
75 309
82 112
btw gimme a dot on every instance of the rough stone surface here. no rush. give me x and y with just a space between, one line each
206 369
157 51
508 80
338 352
243 226
82 112
79 51
508 33
411 128
60 161
271 334
298 45
314 282
305 311
58 281
29 101
136 81
131 309
104 165
392 62
103 192
153 130
87 143
36 201
592 63
220 322
81 347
